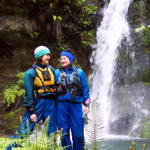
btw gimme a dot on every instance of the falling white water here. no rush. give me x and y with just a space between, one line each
113 29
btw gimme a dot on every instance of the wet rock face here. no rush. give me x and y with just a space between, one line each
17 23
122 125
130 109
15 32
11 2
133 63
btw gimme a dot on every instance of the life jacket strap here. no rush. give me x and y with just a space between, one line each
74 87
47 97
46 87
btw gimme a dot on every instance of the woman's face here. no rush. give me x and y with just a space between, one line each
64 61
45 59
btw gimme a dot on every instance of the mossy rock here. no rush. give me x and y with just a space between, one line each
139 11
144 76
146 41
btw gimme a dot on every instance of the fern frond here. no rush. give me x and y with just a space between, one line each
94 130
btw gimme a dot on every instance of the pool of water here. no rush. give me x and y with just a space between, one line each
121 143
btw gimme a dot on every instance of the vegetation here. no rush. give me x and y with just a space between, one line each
12 115
146 41
34 142
95 127
64 20
139 11
14 91
144 76
87 37
146 37
134 146
145 132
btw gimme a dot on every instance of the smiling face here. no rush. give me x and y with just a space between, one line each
45 59
64 61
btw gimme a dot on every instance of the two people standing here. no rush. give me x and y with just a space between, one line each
69 84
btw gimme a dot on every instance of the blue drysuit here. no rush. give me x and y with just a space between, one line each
70 115
43 105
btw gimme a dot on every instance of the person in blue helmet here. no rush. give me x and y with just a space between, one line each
73 90
40 96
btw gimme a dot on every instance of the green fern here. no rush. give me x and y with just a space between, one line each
38 140
14 91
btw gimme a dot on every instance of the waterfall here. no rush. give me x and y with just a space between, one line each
111 32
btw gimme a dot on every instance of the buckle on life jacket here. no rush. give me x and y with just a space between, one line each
69 83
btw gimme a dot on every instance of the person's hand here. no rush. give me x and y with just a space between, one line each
86 110
33 117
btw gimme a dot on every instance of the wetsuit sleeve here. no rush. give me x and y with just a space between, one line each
53 70
84 86
29 99
57 73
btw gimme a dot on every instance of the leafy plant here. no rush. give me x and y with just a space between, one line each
38 140
88 37
14 91
57 17
95 127
143 27
34 35
89 9
61 44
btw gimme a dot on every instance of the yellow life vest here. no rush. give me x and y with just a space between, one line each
44 81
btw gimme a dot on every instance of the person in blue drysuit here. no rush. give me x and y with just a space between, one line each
39 100
73 90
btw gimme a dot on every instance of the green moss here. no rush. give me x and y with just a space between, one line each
145 133
139 8
144 76
139 11
123 56
139 5
147 83
146 40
